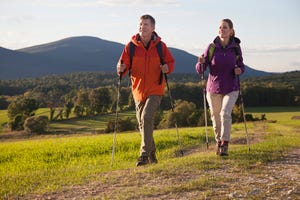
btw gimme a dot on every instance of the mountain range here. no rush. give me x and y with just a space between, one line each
81 54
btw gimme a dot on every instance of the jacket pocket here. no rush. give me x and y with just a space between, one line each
153 70
138 67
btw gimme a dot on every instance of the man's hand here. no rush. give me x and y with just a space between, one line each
164 68
121 68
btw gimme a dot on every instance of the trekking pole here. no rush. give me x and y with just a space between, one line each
116 117
204 105
172 107
243 112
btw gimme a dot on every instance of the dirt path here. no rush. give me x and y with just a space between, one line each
275 180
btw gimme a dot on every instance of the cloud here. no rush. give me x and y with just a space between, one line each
282 49
108 3
15 19
295 64
140 2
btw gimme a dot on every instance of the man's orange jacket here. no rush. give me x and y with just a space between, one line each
145 69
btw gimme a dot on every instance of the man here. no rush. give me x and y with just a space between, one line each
147 88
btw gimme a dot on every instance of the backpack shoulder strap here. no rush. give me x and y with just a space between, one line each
159 51
236 50
211 51
131 54
160 54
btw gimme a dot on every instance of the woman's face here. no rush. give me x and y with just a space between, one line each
224 30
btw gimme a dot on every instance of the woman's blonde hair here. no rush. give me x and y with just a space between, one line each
229 22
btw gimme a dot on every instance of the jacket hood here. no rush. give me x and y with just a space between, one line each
233 40
136 39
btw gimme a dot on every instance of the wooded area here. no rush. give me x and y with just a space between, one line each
90 94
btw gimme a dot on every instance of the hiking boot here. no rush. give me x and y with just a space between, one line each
152 158
142 160
218 148
224 150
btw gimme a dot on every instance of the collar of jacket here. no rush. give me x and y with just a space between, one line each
136 39
232 42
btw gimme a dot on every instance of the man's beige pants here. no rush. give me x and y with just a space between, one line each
221 106
145 113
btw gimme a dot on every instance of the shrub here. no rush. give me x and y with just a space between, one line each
36 124
201 121
16 124
19 110
126 124
185 114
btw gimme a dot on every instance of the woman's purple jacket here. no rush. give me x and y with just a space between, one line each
221 79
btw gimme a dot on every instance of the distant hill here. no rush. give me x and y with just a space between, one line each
80 54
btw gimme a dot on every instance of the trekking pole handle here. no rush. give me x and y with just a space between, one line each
161 73
121 73
166 77
202 75
202 69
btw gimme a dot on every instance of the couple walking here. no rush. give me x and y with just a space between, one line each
146 67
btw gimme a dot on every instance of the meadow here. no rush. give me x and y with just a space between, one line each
50 164
73 125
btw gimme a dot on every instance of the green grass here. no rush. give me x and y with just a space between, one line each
40 164
3 116
49 164
282 115
94 124
3 119
74 125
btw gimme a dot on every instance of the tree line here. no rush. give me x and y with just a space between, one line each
90 94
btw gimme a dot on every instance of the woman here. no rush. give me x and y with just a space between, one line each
225 62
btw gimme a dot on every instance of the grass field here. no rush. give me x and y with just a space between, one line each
73 125
38 165
283 115
93 124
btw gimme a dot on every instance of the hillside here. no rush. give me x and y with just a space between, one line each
80 54
33 166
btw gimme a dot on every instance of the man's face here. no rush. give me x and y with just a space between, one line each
146 28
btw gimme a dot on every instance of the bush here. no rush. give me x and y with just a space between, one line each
201 121
19 110
237 115
126 124
185 114
157 118
16 124
36 124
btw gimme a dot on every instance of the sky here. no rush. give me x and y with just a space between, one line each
269 30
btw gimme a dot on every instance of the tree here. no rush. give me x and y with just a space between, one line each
185 114
3 103
19 110
82 101
68 108
78 111
123 124
100 100
36 124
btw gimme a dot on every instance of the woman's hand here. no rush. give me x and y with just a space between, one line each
201 59
237 71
